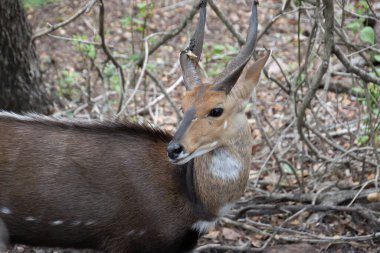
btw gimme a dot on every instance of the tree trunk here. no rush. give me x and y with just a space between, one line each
20 83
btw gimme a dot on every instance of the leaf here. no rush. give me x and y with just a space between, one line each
218 49
213 234
373 197
367 34
363 139
286 168
358 90
230 234
354 26
377 58
92 52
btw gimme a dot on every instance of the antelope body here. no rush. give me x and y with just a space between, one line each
111 186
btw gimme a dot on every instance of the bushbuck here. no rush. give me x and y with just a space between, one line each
125 187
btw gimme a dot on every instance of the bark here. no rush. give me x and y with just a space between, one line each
20 86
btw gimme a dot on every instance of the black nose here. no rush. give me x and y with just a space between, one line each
174 149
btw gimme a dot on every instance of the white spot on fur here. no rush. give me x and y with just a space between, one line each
5 210
56 222
90 222
30 218
224 166
225 124
76 223
203 226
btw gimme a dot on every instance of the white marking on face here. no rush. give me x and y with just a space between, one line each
5 210
203 226
224 166
56 222
30 218
131 232
185 157
225 124
213 144
182 155
142 232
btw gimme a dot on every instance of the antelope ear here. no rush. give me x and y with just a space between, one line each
250 79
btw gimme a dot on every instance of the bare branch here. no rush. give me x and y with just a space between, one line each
108 53
227 23
352 69
86 8
168 36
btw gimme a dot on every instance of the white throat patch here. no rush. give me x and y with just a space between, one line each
225 166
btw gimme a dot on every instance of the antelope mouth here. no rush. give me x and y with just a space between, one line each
185 157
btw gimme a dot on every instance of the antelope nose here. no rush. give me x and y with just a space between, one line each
174 149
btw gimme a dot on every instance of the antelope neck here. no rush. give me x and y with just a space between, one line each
221 175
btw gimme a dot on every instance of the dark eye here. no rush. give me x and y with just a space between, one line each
216 112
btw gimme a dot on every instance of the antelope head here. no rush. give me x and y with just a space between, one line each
213 111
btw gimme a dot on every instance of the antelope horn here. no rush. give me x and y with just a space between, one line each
190 57
227 79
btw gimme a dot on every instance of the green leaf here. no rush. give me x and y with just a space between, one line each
36 3
358 90
377 58
364 5
354 26
126 22
363 139
92 52
286 168
367 34
218 49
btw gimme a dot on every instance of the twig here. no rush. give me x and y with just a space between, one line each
329 44
170 34
75 40
159 98
162 88
352 69
337 146
275 146
227 23
86 8
373 134
220 248
108 53
139 81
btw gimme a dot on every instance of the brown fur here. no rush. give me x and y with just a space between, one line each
111 174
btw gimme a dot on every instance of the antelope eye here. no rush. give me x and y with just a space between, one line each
216 112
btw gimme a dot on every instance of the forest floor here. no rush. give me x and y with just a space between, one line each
279 208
